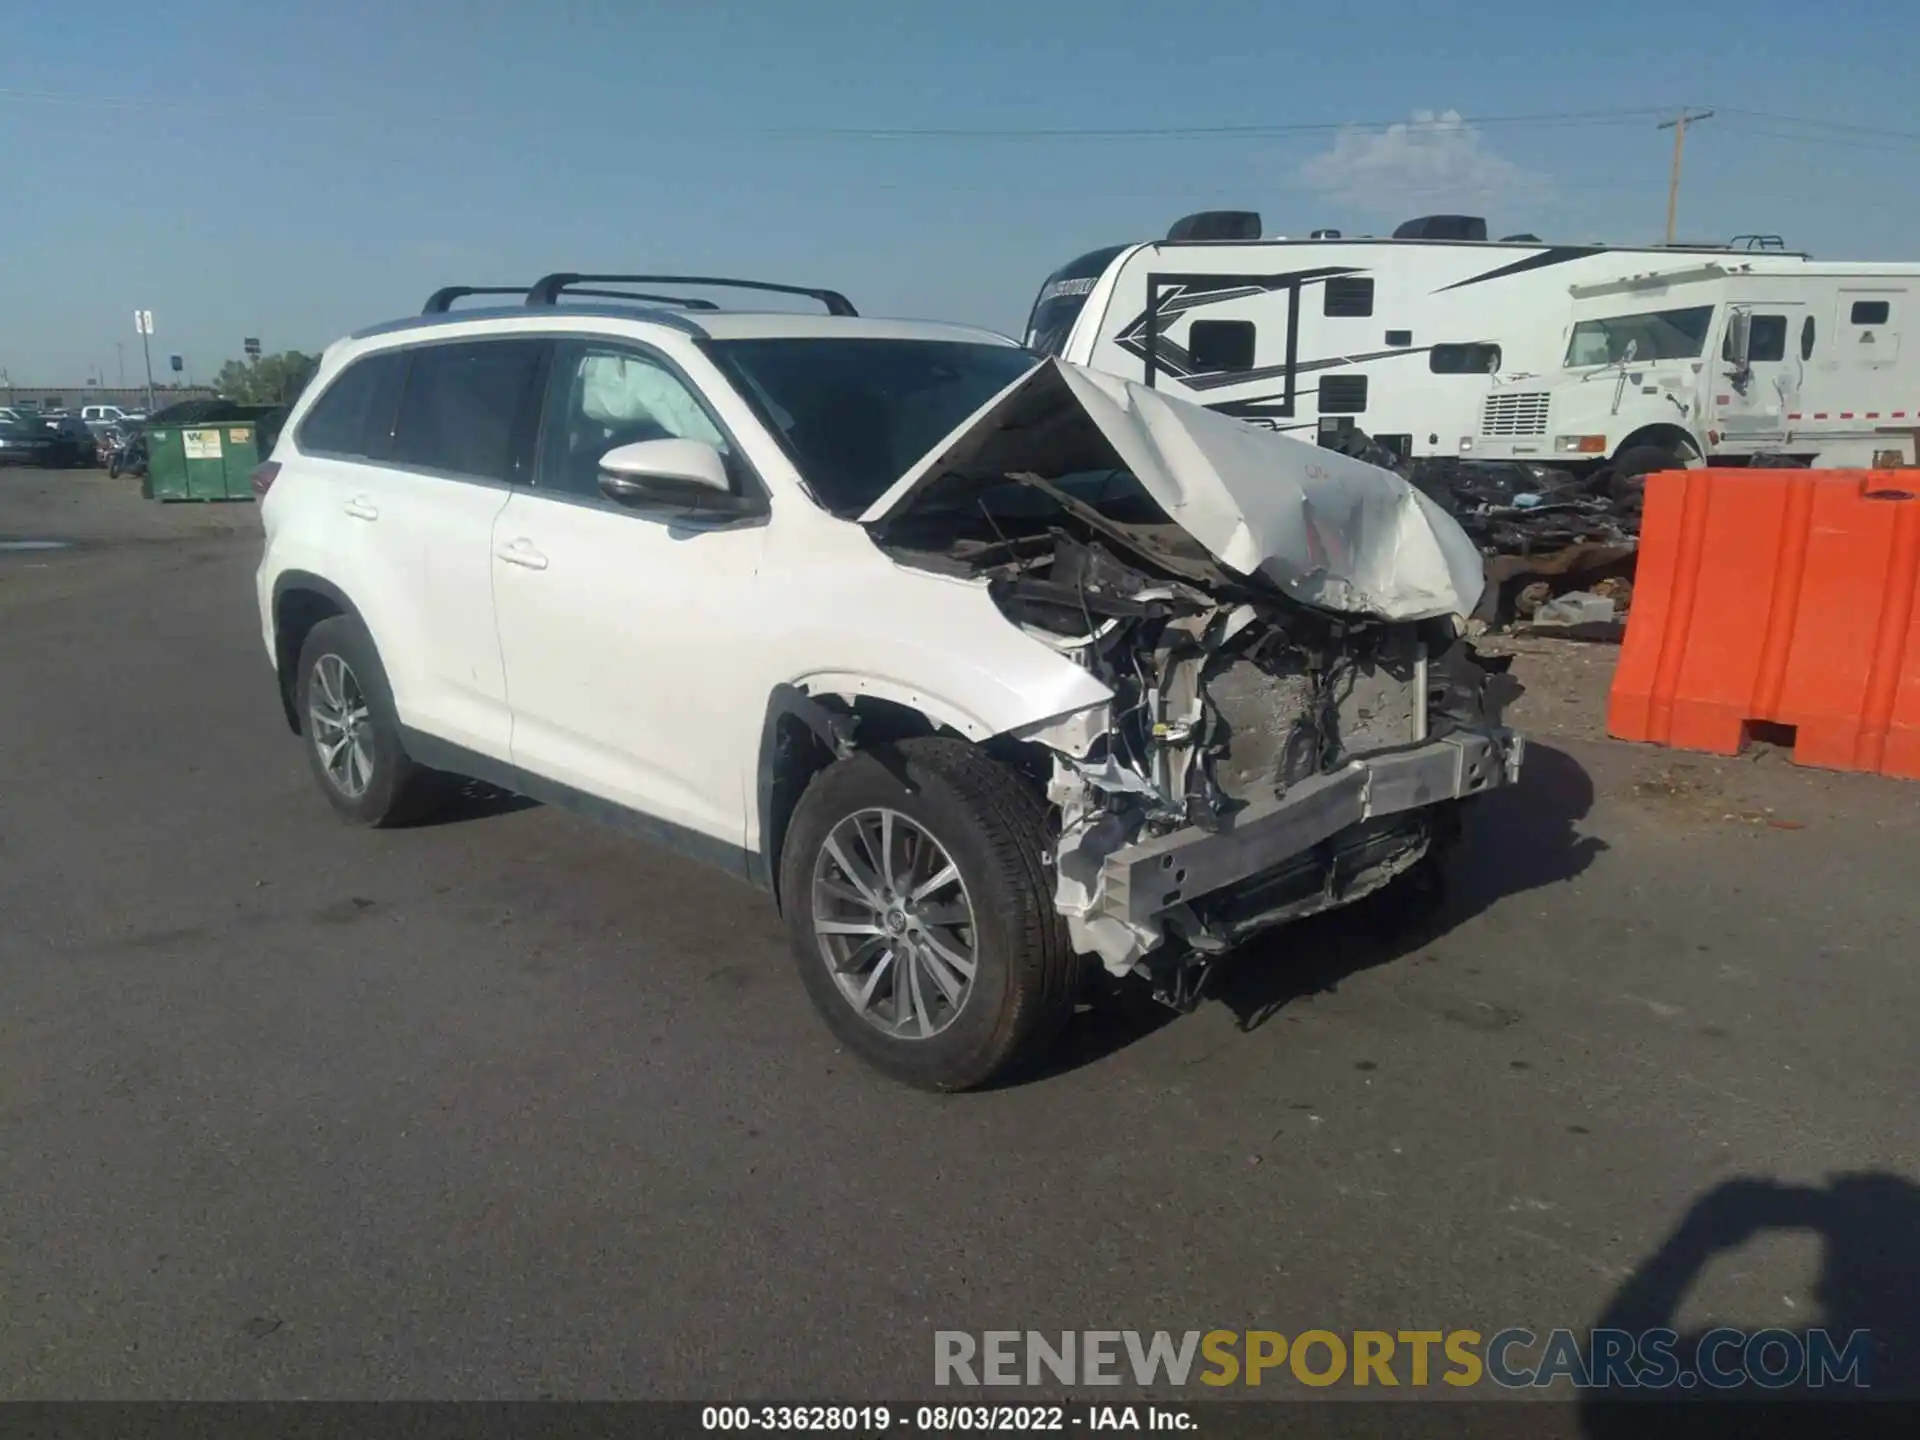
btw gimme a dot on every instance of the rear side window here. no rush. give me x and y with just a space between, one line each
355 416
1870 312
464 405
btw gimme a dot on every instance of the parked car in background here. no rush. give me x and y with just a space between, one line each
105 414
73 443
25 442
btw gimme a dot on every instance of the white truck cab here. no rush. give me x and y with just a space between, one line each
1719 363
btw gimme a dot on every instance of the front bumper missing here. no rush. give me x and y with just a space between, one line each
1144 881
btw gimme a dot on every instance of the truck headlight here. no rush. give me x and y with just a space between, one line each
1580 444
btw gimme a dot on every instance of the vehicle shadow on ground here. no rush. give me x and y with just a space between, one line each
1869 1227
1513 840
473 800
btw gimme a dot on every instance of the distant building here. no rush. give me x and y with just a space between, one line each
72 397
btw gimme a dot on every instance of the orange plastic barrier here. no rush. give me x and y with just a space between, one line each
1780 596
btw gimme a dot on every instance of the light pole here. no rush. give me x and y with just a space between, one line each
143 323
120 354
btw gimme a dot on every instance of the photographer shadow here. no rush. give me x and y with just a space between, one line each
1869 1226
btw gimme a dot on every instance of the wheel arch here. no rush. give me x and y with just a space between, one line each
1664 435
301 600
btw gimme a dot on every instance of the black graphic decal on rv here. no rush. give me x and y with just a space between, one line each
1223 379
1177 299
1558 255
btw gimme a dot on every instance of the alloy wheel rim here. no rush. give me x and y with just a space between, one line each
894 923
342 726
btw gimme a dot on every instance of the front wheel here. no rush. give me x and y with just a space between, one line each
919 901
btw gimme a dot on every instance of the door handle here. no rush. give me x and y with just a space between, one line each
361 508
522 553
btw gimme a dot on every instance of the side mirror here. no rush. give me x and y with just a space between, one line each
1739 337
672 474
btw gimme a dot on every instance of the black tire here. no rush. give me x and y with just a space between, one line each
396 791
113 468
1632 466
993 826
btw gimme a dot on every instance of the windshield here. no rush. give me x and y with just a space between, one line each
1652 334
1062 299
856 414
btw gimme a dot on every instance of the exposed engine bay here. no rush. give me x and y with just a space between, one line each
1294 708
1226 695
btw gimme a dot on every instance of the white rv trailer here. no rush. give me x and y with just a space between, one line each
1416 340
1397 337
1718 360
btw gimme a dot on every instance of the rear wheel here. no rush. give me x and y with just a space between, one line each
1632 466
919 902
352 733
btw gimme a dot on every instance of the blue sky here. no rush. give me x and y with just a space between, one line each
294 171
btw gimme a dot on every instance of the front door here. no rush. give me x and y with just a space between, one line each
1751 405
621 629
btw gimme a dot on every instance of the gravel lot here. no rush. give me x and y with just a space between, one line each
512 1106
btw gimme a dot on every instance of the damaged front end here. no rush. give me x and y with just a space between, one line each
1261 757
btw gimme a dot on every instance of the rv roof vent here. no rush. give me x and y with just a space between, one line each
1326 235
1522 238
1217 225
1443 227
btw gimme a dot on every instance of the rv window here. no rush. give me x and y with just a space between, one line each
1343 394
1220 345
1349 295
1806 338
1399 337
1870 312
1652 335
1766 340
1463 359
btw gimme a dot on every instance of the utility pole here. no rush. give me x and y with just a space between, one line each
120 354
1678 125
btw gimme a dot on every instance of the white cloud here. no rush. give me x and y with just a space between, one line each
1431 163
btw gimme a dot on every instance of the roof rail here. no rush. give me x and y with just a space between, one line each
442 300
547 290
682 302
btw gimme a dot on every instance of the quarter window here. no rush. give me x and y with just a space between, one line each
601 397
1806 338
462 405
1349 295
355 416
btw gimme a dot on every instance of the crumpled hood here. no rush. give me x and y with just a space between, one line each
1331 531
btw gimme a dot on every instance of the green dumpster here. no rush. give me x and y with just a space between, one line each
207 449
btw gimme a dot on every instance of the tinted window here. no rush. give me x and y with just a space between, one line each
1463 359
602 396
1349 295
1766 339
1399 337
856 414
355 416
1343 394
462 405
1063 297
1870 312
1806 338
1216 345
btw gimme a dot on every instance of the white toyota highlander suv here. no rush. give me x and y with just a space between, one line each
989 667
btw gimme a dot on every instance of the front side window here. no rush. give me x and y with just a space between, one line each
463 404
856 414
1766 340
1647 335
602 396
354 418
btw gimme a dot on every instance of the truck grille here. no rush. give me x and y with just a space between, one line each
1522 414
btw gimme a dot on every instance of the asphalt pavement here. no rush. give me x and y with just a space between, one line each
513 1106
